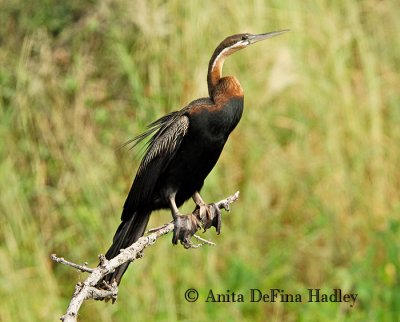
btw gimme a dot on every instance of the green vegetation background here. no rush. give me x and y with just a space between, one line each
316 156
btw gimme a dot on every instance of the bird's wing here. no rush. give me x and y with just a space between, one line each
167 135
164 143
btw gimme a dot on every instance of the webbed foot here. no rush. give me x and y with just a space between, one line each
185 227
209 216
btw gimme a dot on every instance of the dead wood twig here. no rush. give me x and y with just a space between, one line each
89 290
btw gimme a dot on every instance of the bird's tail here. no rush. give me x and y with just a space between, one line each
127 233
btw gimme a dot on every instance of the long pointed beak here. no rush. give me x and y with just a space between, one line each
256 38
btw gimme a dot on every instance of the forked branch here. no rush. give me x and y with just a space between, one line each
89 290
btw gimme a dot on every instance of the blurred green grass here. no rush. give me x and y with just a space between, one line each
316 156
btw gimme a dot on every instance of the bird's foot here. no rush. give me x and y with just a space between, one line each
209 216
185 227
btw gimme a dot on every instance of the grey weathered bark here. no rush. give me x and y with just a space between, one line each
89 290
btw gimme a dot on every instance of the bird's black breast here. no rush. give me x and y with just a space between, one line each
201 148
213 123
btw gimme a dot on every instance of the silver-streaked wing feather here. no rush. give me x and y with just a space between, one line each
165 141
170 130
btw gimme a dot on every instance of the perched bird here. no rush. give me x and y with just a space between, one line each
183 148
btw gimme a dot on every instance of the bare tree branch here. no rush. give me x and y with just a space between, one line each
82 268
203 242
89 288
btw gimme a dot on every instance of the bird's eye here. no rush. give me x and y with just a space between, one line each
245 37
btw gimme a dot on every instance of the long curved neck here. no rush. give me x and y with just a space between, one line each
215 68
219 86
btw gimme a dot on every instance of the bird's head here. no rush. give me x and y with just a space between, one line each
234 43
227 47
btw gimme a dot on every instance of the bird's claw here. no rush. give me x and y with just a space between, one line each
204 216
185 226
210 216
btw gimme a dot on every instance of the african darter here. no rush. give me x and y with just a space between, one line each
183 148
